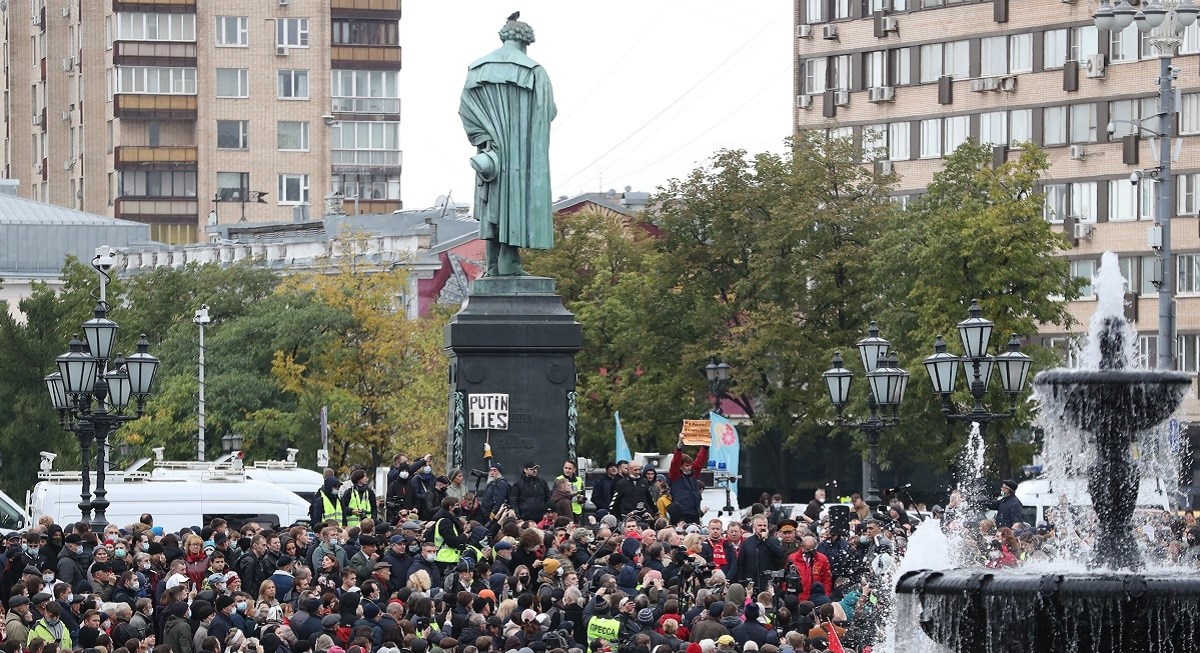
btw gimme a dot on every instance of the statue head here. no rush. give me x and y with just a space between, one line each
515 30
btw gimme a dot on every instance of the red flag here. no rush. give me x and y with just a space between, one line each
835 644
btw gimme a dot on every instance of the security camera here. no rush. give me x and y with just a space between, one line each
104 260
159 452
1111 129
291 454
1135 177
202 315
1174 72
47 463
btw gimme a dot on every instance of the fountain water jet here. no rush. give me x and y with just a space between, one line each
1112 608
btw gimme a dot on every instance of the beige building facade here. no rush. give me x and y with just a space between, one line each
916 78
183 114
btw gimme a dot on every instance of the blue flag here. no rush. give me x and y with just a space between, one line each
726 447
622 445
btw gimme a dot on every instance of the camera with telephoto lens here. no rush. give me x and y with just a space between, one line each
478 474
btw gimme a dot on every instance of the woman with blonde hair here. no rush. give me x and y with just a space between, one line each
266 600
195 560
419 581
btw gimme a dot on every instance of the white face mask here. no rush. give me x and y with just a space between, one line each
333 541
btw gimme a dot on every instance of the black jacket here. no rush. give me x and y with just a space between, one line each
495 493
529 497
631 494
1008 511
602 492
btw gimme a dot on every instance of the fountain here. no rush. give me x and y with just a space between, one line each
1113 607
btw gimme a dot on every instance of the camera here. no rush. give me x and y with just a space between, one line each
478 474
422 623
1135 177
103 260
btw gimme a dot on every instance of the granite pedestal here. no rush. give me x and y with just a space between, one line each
513 336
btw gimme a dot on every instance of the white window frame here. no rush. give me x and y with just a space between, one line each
815 75
1054 126
839 76
993 128
243 82
292 75
301 125
955 132
1085 269
1020 53
993 56
1187 274
1122 201
1083 201
368 143
1020 127
148 26
899 141
1054 206
1187 197
241 28
958 59
1054 48
931 138
1083 127
156 80
1084 42
932 62
365 96
1189 114
291 32
1124 45
1187 350
814 11
302 188
243 135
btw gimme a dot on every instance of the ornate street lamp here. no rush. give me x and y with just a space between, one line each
91 391
887 383
718 382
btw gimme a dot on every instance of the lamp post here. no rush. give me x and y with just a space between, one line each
1165 21
887 383
201 320
232 442
718 382
1012 366
92 389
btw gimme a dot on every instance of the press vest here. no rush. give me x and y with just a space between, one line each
357 502
605 628
577 487
332 509
444 553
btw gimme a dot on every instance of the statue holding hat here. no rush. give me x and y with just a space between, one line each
506 107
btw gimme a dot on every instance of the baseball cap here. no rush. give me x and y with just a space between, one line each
725 640
529 464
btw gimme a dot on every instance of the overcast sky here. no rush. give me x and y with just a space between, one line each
645 90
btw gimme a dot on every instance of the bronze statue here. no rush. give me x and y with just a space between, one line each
506 108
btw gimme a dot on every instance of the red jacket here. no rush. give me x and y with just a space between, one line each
698 464
819 572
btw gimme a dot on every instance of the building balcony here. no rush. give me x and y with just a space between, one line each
154 53
371 207
366 162
161 210
157 6
365 57
372 105
389 9
155 155
137 106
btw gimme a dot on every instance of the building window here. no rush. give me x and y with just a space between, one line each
837 133
1084 269
366 91
1191 40
1020 53
368 187
993 128
292 135
233 82
291 32
1146 353
293 189
365 143
157 183
1187 273
876 69
958 130
1123 45
841 9
1054 126
233 31
993 56
839 73
899 141
1085 41
1122 200
874 142
233 134
1186 187
1054 209
1189 114
156 80
1068 348
1054 48
1083 123
1133 269
141 26
814 11
233 186
347 31
814 75
931 62
293 85
1020 127
931 138
958 59
900 63
1186 352
1083 201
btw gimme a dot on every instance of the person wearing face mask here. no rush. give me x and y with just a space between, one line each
14 562
399 493
18 620
51 628
128 589
177 633
70 569
330 543
327 504
428 562
421 484
684 481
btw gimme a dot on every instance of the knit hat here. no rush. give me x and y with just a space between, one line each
752 612
645 616
716 609
224 601
1010 484
630 546
370 610
550 566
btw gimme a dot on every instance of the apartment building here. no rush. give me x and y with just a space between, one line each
916 78
184 114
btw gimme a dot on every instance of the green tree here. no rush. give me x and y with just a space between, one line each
978 233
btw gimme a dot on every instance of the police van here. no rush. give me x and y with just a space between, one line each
176 502
284 473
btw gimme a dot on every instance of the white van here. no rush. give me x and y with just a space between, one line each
12 517
284 473
1038 494
175 502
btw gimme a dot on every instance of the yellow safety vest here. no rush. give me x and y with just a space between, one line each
577 486
357 502
605 628
444 553
333 511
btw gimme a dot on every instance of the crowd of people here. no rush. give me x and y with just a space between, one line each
434 566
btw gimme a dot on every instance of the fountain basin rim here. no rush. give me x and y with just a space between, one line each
1002 582
1075 376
